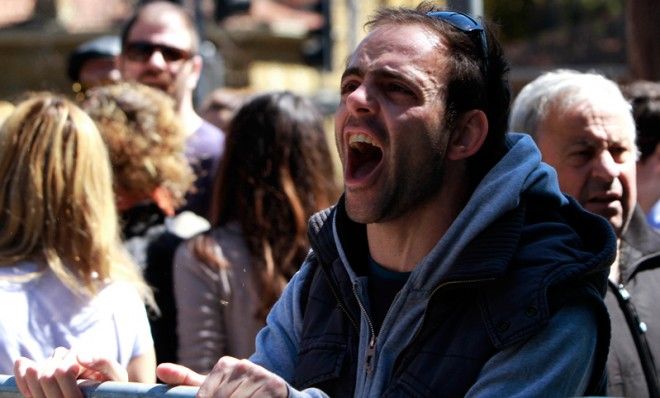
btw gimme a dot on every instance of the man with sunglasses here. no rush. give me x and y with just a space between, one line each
160 47
452 265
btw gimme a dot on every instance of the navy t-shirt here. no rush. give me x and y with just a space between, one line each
384 284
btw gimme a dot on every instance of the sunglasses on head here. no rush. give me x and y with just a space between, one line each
141 51
467 24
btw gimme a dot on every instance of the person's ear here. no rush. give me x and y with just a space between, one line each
468 136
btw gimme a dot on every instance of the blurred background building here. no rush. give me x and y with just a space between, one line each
301 45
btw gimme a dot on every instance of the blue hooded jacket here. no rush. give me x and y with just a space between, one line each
507 303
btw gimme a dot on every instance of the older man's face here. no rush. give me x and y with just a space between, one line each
592 147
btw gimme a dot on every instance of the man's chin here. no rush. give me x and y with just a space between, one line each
604 210
616 221
360 215
360 209
158 85
162 87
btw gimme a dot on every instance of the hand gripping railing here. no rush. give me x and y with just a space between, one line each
109 389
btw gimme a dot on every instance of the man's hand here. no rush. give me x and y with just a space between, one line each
230 377
56 376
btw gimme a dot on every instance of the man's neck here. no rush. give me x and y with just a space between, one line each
615 270
400 244
646 199
190 119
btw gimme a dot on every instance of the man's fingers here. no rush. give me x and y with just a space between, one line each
241 378
232 376
66 381
20 369
54 378
223 379
49 384
256 381
270 388
171 373
66 372
59 366
102 369
216 383
32 380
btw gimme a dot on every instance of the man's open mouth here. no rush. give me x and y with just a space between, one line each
364 155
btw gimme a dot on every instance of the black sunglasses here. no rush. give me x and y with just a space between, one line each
467 24
141 51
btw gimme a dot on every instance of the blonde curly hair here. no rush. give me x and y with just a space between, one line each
145 138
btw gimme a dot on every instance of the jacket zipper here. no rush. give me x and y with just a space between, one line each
371 348
638 330
340 302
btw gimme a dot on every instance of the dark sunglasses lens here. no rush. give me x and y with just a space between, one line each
460 21
141 52
466 24
173 54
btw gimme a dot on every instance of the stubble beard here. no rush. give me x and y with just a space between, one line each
405 193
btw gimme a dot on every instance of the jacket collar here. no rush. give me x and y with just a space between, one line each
331 231
638 243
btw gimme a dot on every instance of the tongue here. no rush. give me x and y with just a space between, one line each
365 159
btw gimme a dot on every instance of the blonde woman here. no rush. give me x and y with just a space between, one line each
65 280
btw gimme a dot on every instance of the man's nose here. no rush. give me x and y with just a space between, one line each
605 167
361 100
156 59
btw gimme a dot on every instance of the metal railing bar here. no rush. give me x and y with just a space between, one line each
109 389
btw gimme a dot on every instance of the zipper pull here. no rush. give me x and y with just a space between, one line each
371 350
626 297
624 293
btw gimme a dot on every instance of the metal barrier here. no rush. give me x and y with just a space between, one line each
109 389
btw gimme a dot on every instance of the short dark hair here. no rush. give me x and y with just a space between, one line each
471 85
164 6
644 96
107 46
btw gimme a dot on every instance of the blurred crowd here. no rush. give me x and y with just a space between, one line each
173 173
140 226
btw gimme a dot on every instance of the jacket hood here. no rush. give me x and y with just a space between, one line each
518 175
519 172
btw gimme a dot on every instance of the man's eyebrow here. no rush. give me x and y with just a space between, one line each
583 142
352 71
388 74
380 73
